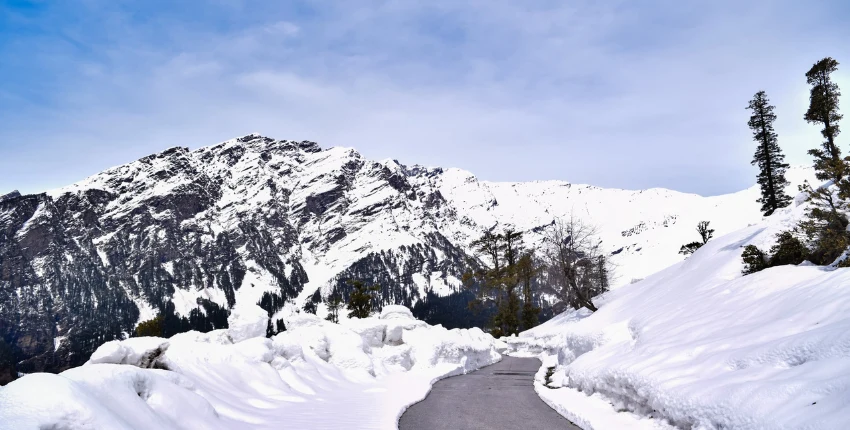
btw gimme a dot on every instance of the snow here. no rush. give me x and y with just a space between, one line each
316 375
698 345
137 351
57 342
246 320
592 412
392 312
642 230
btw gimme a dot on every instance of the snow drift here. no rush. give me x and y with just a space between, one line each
700 346
316 375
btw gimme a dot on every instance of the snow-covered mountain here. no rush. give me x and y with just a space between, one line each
282 223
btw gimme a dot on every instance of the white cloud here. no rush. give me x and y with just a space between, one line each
605 93
282 27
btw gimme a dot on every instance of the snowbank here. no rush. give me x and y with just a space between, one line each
315 375
699 346
246 321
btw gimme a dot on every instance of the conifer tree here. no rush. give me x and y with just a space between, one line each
768 156
826 224
360 300
499 279
823 110
755 260
8 363
527 271
787 250
334 303
511 245
151 327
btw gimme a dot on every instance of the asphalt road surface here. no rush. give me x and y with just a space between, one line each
499 396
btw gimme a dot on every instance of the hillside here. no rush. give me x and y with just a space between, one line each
699 345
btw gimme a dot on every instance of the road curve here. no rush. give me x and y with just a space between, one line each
499 396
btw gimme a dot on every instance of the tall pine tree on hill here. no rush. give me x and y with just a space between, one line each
768 156
826 223
823 109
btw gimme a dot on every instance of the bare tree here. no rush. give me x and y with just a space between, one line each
704 232
578 270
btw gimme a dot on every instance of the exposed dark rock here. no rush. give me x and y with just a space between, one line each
10 196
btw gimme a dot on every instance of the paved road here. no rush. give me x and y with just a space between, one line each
500 396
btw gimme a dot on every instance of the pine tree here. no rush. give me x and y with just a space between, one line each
279 325
512 248
823 109
768 156
498 280
334 303
527 271
8 363
360 300
826 223
309 307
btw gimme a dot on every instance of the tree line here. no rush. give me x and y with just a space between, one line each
570 267
822 236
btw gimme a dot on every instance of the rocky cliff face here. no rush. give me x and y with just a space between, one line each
235 221
285 223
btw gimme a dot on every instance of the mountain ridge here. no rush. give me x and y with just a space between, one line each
286 223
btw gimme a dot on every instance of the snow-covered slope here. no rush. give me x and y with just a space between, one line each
643 229
700 346
256 219
317 375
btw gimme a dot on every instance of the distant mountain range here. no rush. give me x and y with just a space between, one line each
283 223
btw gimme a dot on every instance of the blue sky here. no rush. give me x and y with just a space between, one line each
612 93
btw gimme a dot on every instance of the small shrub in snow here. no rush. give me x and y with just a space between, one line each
277 327
690 248
787 250
755 260
705 233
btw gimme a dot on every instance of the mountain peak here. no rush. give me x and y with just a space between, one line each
10 196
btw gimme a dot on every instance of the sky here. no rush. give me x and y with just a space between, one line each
611 93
